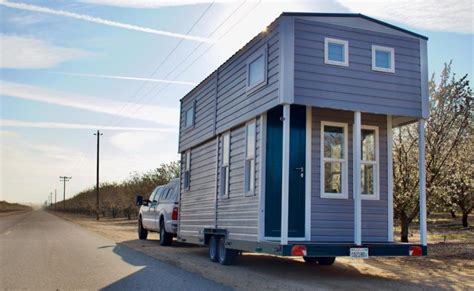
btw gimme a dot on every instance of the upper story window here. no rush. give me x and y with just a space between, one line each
383 59
249 184
336 52
369 162
334 160
224 189
189 117
187 170
257 69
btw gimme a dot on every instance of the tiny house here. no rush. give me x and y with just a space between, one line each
286 148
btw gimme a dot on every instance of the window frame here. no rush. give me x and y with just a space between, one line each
390 50
344 161
262 52
224 168
249 190
376 164
187 171
192 108
345 44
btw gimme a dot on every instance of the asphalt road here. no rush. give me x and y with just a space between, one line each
40 251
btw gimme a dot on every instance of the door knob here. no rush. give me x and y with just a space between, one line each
301 169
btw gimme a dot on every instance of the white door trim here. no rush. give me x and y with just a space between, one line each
261 198
308 176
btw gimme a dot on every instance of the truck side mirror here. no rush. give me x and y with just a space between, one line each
139 200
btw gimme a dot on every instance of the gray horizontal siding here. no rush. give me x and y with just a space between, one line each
197 205
356 87
238 213
333 219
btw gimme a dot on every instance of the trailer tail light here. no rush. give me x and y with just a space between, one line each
416 251
174 214
298 250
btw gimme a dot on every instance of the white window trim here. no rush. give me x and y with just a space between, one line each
376 163
225 184
390 50
261 52
345 161
187 169
252 190
345 43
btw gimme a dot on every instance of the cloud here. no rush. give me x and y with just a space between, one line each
433 15
19 52
150 3
60 125
128 78
93 19
160 115
134 141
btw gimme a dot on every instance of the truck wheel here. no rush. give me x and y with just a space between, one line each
213 250
226 256
142 233
326 261
166 238
310 260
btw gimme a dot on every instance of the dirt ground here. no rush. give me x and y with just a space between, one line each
449 265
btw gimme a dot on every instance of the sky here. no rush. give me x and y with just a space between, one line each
69 68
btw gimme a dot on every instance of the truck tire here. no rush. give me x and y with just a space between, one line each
213 249
326 261
226 256
142 232
166 238
310 260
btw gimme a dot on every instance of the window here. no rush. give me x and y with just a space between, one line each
257 70
333 160
383 59
189 117
224 189
187 170
336 52
369 162
250 158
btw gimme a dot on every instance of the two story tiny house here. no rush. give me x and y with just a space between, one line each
287 147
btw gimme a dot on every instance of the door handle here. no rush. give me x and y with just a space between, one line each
301 169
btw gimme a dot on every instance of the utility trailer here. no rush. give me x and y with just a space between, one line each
286 148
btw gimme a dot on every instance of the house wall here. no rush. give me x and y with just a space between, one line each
238 213
333 219
356 87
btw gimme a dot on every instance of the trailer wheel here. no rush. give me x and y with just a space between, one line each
310 260
226 256
166 238
142 232
326 261
213 249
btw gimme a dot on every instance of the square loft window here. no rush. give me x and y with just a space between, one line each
383 59
257 70
336 52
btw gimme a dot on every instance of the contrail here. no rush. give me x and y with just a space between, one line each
59 125
34 8
127 78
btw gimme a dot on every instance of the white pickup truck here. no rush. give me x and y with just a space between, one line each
159 213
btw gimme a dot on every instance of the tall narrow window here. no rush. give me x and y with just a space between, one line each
187 170
189 117
333 160
336 52
369 162
250 158
257 70
224 189
383 59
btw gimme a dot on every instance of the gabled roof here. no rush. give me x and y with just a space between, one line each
316 14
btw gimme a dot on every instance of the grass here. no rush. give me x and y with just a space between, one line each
8 207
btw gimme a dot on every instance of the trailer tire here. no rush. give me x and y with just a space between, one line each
310 260
326 261
226 256
166 238
213 249
142 232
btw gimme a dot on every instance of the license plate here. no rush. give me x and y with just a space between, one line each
359 253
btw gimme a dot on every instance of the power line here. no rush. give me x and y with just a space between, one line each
194 61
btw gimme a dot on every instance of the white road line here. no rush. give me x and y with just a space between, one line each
8 232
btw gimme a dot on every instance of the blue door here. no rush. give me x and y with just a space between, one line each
273 176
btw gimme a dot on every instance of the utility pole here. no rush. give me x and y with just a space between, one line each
50 198
98 134
55 198
64 179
